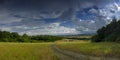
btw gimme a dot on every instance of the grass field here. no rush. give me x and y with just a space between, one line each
26 51
94 49
43 51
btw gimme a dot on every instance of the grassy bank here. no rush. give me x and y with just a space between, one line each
26 51
95 49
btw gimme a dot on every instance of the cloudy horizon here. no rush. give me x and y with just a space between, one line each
57 17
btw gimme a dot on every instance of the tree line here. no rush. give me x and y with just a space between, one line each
109 33
6 36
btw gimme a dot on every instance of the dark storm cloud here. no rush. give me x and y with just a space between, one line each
1 1
45 5
51 5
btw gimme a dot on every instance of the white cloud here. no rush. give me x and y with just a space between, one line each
93 11
102 18
6 17
117 6
4 28
55 29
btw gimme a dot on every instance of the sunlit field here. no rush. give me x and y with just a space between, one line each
26 51
43 51
92 49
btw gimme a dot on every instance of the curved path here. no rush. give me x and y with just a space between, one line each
69 55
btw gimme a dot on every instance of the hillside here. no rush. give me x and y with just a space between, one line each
109 33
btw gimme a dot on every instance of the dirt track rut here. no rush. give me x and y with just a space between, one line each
68 55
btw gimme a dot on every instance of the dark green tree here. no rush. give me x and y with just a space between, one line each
109 33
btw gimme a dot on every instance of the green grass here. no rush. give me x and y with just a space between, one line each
26 51
95 49
42 51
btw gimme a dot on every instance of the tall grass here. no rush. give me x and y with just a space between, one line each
95 49
26 51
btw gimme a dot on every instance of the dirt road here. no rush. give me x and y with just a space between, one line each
69 55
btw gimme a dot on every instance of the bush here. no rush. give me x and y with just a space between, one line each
118 39
15 37
95 38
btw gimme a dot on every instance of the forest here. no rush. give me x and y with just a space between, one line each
108 33
6 36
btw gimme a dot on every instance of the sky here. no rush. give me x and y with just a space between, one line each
57 17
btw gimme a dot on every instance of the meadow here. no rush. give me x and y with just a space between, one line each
26 51
45 51
92 49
